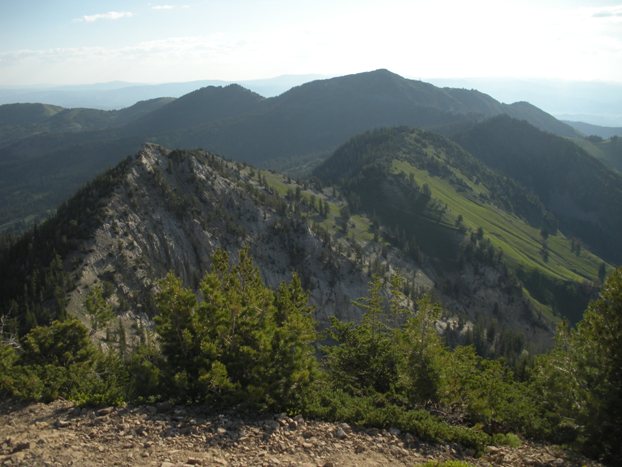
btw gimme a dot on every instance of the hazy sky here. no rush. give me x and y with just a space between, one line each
86 41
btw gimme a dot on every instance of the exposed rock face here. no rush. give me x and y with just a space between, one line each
173 209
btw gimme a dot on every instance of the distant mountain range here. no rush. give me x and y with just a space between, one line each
117 95
598 103
597 130
47 152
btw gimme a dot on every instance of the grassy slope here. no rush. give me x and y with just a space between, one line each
360 226
520 242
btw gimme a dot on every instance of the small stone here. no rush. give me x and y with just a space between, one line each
220 461
271 425
395 431
105 411
21 446
193 461
293 425
221 431
307 445
340 433
62 423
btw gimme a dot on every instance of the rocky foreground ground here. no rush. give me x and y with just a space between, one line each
164 435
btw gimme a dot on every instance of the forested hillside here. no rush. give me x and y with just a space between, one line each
47 153
583 194
445 204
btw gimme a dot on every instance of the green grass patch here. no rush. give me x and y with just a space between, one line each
520 242
506 439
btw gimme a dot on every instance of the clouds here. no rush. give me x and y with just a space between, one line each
168 7
168 40
110 15
613 12
146 61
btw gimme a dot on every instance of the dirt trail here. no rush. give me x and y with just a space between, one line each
165 436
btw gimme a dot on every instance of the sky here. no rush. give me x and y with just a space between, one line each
45 42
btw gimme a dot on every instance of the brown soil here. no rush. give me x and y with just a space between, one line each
61 434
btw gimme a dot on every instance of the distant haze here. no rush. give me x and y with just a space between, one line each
118 95
599 103
69 42
590 102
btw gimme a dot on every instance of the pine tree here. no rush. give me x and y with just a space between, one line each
597 347
241 344
121 339
364 359
579 383
176 323
422 346
96 307
294 364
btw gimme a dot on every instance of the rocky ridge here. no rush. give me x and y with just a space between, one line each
166 435
173 209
